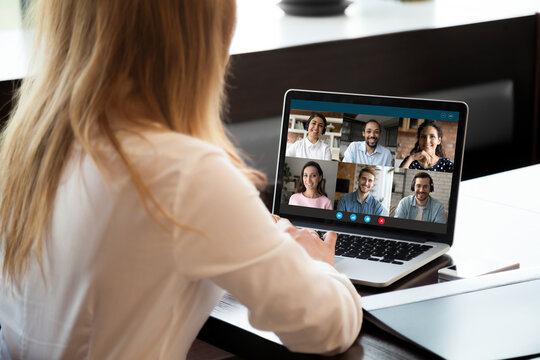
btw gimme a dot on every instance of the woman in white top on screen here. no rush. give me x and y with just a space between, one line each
116 234
309 191
311 147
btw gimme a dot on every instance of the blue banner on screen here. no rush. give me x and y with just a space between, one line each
374 110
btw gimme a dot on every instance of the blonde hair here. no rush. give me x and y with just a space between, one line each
94 58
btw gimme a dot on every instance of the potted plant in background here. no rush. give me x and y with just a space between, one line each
289 184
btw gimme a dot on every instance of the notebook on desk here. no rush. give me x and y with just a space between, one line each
493 316
348 148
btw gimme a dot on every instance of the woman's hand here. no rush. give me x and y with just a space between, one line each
420 156
318 249
423 157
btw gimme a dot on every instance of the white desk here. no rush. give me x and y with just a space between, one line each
499 216
498 227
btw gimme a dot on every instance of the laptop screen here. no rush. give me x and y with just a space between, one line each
370 164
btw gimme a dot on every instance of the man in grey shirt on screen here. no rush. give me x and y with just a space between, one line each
369 152
420 205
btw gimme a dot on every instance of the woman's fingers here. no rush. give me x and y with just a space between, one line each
310 240
316 247
286 226
330 238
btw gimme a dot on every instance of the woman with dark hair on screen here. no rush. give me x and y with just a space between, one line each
309 191
311 147
124 208
428 152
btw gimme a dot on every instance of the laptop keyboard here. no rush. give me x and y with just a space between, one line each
374 249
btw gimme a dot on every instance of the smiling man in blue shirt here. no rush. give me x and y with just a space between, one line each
369 152
361 201
420 205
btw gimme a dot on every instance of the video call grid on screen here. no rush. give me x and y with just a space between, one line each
393 186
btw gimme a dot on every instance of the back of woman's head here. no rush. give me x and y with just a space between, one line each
169 54
98 62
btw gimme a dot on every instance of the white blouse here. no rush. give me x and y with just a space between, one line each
119 286
306 149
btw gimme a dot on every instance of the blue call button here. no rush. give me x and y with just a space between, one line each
367 218
339 215
353 217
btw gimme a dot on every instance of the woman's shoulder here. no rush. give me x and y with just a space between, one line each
322 144
296 199
444 164
325 148
296 144
168 154
414 164
294 148
297 196
445 161
325 200
168 145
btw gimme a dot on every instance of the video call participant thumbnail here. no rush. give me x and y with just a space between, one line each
361 201
428 152
369 151
311 147
420 205
309 191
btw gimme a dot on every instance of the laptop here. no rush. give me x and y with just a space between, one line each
383 172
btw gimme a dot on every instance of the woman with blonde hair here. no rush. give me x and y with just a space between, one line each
124 208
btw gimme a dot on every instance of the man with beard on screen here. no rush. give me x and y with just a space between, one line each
421 205
361 201
369 152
